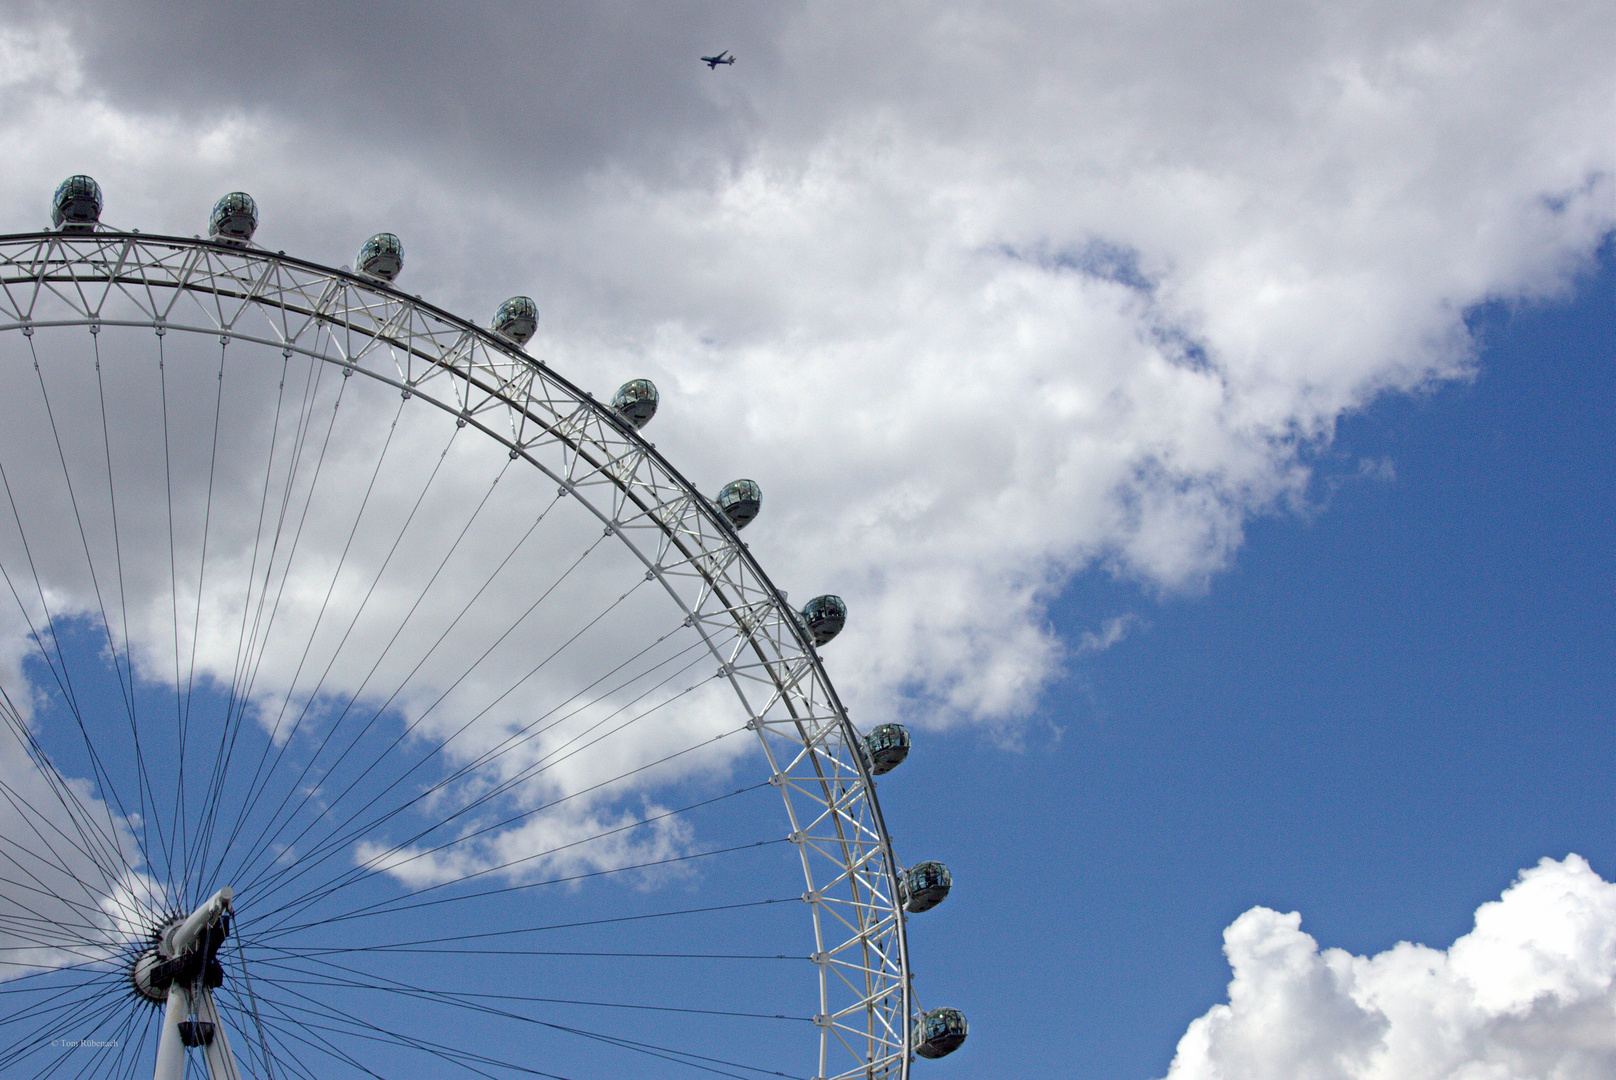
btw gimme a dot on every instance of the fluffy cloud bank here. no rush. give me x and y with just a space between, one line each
1529 994
985 296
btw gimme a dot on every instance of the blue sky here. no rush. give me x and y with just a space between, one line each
1377 717
1205 412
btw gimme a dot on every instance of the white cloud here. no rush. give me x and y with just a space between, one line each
1528 994
984 296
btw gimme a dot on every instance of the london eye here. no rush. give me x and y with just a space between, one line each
380 702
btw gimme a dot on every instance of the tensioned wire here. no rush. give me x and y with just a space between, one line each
339 841
241 688
350 534
384 862
244 696
310 1015
685 1058
227 731
92 845
148 800
555 757
63 678
260 845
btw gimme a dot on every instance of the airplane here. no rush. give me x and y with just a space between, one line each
712 62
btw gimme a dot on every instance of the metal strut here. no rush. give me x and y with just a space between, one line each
190 971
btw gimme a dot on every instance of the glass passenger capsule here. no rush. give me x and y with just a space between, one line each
381 257
923 886
739 501
940 1032
76 206
637 401
517 318
886 747
234 218
825 616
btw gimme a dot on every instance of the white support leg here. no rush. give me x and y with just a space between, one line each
221 1062
170 1051
177 942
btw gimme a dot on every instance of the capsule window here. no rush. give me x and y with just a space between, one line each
234 218
76 206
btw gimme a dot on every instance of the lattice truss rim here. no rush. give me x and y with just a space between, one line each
245 293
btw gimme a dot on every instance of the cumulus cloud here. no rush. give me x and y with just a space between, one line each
1529 993
984 296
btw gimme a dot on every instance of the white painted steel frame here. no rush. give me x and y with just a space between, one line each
359 323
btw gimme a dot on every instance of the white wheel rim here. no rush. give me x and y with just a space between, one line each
175 285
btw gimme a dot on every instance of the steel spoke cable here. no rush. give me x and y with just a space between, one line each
265 612
595 953
233 719
235 706
98 848
106 1048
13 984
70 799
302 1030
211 794
252 1003
244 697
338 842
288 1033
262 938
64 680
651 819
375 865
78 997
418 601
474 1001
358 612
512 819
56 919
148 797
247 606
325 603
335 843
51 1003
113 1048
398 904
399 629
360 980
178 831
102 860
365 1029
30 1041
257 847
685 1058
263 626
131 1044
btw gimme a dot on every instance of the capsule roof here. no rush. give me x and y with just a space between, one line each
234 217
940 1032
825 616
924 885
885 747
382 256
636 400
739 501
76 206
517 319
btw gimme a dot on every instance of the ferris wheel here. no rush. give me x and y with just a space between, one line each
428 722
